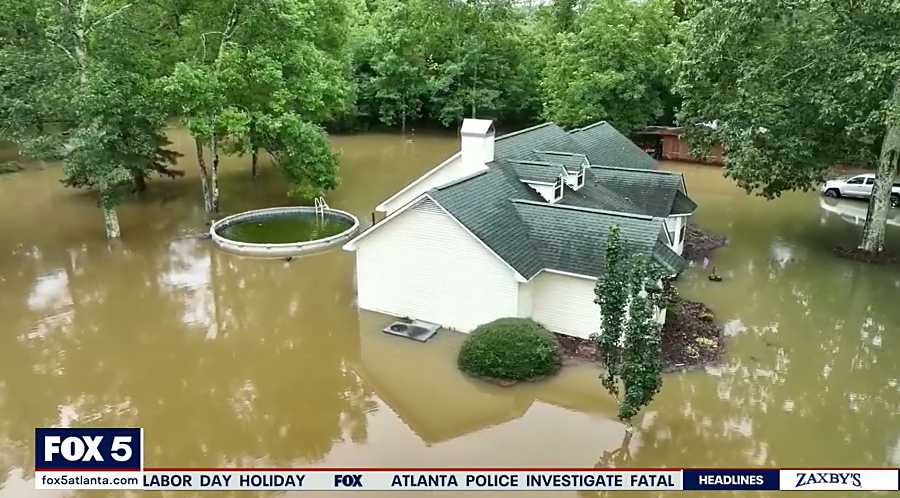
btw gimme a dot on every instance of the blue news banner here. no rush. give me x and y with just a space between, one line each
114 459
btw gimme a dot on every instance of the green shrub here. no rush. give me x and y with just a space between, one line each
510 349
706 317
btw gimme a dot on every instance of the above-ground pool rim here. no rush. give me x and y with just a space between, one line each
258 250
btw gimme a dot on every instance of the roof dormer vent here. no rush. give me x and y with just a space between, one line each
575 178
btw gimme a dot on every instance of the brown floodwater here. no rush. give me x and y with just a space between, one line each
227 361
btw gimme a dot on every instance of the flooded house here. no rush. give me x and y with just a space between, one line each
516 226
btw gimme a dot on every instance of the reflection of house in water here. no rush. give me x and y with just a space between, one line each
420 382
853 211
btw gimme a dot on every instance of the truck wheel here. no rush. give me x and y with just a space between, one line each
895 200
832 192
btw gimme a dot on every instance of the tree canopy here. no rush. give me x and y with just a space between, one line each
791 88
79 86
614 60
96 83
442 61
262 75
788 87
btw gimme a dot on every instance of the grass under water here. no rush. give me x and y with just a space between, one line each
284 229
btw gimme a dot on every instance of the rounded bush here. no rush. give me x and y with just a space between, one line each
510 349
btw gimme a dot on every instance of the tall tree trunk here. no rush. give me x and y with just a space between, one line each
138 180
204 176
254 153
254 162
213 142
112 223
880 204
214 176
474 85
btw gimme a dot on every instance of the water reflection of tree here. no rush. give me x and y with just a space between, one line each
269 387
283 381
808 383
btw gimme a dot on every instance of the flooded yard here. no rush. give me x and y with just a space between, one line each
226 361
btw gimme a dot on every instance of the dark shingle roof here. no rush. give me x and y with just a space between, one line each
602 144
571 161
522 144
650 192
596 195
483 204
683 204
573 239
667 258
531 235
605 146
537 172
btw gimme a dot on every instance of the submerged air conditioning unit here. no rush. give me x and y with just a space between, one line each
412 329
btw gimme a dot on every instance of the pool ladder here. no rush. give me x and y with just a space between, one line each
320 208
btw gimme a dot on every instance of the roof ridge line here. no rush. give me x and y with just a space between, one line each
570 154
622 214
584 128
536 163
641 170
519 132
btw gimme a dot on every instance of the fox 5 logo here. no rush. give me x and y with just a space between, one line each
88 449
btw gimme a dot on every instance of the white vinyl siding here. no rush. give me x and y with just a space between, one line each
446 172
675 225
526 300
424 265
565 304
575 179
558 189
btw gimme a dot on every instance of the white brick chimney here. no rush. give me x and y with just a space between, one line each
477 145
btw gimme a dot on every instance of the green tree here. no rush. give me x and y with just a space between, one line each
300 150
478 65
612 295
392 75
614 63
292 61
259 68
564 14
199 90
630 346
443 61
794 87
79 84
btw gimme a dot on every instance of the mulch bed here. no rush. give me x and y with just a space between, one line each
858 254
699 243
680 347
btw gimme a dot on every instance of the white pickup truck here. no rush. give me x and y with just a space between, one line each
859 186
